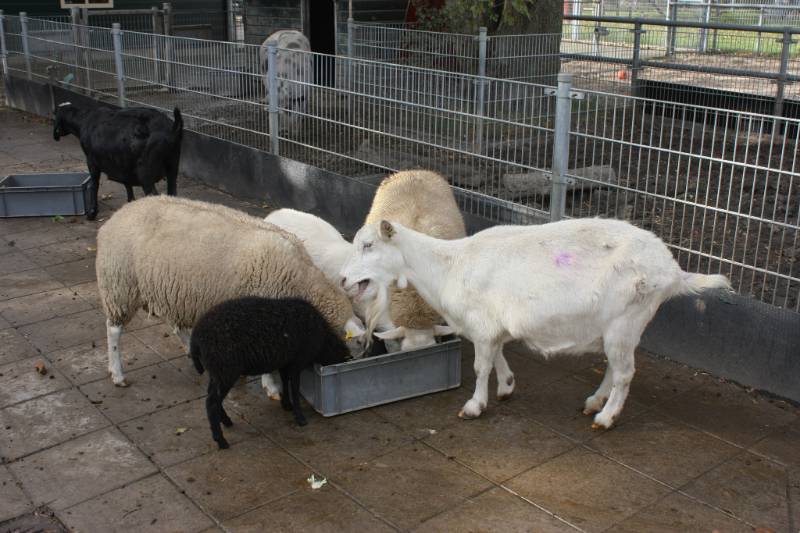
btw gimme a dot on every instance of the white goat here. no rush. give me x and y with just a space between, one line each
568 287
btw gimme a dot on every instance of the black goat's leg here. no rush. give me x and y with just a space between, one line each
129 190
294 377
91 194
286 402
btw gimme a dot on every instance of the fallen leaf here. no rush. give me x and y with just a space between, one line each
316 483
181 431
40 368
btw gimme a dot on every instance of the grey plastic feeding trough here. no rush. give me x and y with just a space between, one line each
37 195
359 384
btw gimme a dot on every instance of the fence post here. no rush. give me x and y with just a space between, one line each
272 77
786 44
558 193
168 43
636 64
116 36
480 93
23 21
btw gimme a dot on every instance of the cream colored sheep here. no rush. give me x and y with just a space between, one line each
421 200
178 258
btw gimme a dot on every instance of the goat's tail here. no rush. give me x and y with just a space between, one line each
194 352
697 283
177 127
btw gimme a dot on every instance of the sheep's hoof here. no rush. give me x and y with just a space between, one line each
275 397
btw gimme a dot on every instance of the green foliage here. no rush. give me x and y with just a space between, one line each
466 16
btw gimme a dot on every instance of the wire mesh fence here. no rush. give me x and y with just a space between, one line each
720 187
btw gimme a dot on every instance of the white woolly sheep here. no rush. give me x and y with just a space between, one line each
177 258
294 62
421 200
569 287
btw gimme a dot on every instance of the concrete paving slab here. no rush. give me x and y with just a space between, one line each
174 435
642 442
679 513
149 505
15 262
43 306
13 346
88 362
63 332
525 444
587 489
73 273
81 469
495 510
727 413
325 510
25 283
749 487
14 502
151 389
45 421
411 484
231 482
19 381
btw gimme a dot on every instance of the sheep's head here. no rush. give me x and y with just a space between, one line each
374 263
414 339
355 337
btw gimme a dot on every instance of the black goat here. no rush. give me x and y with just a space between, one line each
252 336
135 146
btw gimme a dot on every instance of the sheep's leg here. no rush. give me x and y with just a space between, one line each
213 410
484 361
294 382
619 347
594 403
505 377
113 334
272 383
129 190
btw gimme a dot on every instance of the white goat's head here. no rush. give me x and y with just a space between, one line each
414 339
374 264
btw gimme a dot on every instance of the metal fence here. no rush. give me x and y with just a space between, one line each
721 188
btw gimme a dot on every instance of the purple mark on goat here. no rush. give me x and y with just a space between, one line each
564 259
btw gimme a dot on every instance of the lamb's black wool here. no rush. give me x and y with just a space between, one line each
134 146
253 336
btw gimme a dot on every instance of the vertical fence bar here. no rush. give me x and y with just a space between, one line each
116 36
23 21
636 65
780 83
272 77
168 51
558 193
480 92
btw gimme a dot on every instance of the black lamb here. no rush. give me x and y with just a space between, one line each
252 336
136 146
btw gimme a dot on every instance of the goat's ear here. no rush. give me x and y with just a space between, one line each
387 230
441 331
391 334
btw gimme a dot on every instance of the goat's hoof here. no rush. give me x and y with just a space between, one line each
275 397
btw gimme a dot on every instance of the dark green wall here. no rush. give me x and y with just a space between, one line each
53 7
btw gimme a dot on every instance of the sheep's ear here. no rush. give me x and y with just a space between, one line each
387 230
391 334
402 281
441 331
